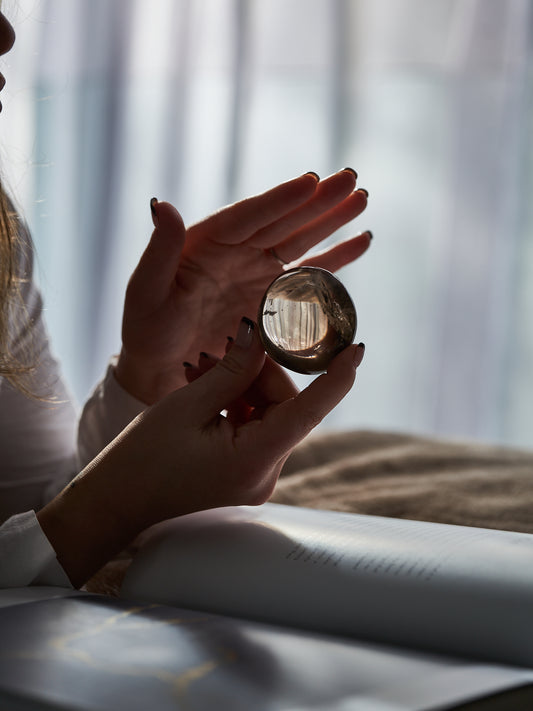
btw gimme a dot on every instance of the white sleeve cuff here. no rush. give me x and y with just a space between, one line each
26 556
106 413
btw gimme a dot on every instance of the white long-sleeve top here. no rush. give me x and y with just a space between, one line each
42 446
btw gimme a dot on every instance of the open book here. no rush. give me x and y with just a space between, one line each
422 589
285 609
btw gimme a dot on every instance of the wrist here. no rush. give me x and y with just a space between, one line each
85 528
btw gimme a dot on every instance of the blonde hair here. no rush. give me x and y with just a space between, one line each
17 369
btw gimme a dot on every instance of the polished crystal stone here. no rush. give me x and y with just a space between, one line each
305 318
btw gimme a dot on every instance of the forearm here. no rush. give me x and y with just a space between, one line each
113 499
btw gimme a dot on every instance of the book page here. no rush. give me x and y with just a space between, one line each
100 653
454 589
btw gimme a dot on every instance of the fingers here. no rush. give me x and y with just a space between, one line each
206 361
229 378
340 254
292 217
236 223
288 423
154 275
273 384
329 193
313 232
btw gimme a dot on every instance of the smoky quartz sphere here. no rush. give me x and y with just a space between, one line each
305 318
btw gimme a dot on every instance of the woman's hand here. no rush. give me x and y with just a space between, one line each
183 455
192 285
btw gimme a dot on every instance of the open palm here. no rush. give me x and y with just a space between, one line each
192 286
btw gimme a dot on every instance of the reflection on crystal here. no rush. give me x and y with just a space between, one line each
294 325
306 317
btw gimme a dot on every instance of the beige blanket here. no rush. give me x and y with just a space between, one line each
412 477
401 476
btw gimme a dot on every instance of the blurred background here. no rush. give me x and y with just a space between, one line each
203 102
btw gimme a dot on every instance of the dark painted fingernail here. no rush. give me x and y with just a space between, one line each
362 190
315 175
245 333
203 354
370 235
153 203
186 364
351 170
358 354
230 339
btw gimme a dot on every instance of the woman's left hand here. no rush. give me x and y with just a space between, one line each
192 285
182 455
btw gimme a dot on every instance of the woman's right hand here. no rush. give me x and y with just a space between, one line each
182 455
192 285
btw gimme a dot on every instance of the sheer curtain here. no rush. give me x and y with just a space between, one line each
202 102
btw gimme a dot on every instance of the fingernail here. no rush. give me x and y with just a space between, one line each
230 339
315 175
358 354
351 170
362 190
369 235
186 364
203 354
153 203
245 333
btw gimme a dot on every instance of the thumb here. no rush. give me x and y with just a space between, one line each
230 378
157 267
